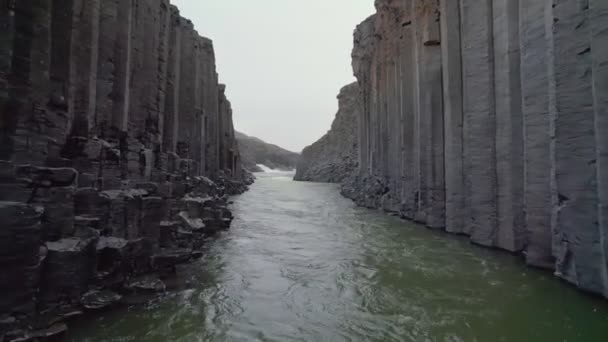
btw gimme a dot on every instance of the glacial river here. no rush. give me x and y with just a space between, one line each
301 263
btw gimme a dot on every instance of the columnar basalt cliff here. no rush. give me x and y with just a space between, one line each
333 157
488 118
117 151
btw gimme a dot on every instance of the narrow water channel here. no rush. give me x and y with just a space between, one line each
301 263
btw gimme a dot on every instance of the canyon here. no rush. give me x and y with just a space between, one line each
488 119
117 155
121 170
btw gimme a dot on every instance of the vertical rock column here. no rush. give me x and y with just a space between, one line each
389 133
198 147
407 115
223 127
109 30
113 91
210 107
578 250
393 200
599 49
25 76
453 115
162 83
480 120
59 107
361 63
430 113
509 126
84 54
187 79
534 45
7 36
143 111
121 94
171 117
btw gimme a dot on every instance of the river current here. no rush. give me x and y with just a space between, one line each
301 263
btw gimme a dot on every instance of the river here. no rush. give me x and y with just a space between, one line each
301 263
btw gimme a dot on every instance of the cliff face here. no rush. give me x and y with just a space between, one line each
112 128
488 118
255 151
334 156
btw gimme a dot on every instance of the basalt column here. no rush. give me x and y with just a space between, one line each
171 117
578 248
388 132
189 71
431 208
85 38
147 85
407 70
361 63
509 126
599 49
479 120
453 115
7 36
210 105
535 35
25 87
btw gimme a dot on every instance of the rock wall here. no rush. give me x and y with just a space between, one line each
488 118
334 156
117 151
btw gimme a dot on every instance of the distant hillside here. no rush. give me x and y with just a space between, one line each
256 151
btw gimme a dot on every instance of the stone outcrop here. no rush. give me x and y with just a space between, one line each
255 151
488 118
335 155
112 123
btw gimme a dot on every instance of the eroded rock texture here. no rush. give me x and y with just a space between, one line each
334 156
117 151
488 118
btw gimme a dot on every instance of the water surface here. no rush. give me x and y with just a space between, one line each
302 263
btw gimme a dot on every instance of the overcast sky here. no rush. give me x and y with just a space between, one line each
283 61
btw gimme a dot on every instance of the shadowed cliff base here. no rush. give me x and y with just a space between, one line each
117 155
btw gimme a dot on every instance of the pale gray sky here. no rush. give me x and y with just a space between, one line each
283 61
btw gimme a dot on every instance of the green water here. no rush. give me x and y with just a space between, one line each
302 263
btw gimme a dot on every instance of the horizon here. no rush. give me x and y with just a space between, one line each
284 91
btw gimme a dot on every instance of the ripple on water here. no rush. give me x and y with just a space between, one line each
303 264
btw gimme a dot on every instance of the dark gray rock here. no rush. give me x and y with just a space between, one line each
167 259
69 268
46 176
20 257
146 284
96 300
335 156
